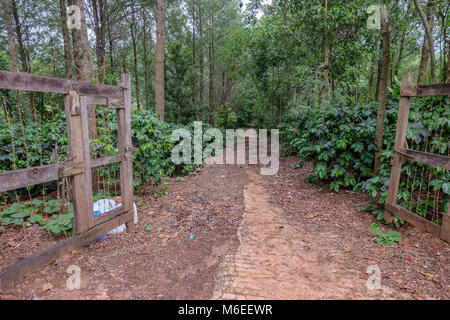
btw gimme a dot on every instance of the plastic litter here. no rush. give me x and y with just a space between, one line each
192 237
104 206
198 197
148 228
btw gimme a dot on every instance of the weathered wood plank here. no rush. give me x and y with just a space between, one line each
13 180
125 149
109 215
79 188
29 82
419 222
445 227
426 158
39 260
88 215
70 170
400 142
97 101
442 89
107 102
95 163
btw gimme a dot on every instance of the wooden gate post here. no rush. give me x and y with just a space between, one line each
400 142
445 227
81 190
126 151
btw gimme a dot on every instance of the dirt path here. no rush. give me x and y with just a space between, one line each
254 237
275 259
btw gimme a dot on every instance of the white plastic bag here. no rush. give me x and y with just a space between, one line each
104 206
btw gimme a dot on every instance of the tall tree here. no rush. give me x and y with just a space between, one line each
428 34
134 35
11 37
66 37
82 52
146 42
160 59
83 66
201 55
448 60
211 69
382 87
326 65
426 52
99 8
24 55
22 52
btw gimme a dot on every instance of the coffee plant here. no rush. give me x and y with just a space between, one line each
340 142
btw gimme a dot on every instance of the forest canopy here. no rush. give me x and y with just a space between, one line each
252 60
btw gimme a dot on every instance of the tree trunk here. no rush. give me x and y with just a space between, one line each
379 68
211 75
382 87
81 49
111 44
99 13
287 64
136 70
428 34
194 94
448 60
160 59
402 43
426 47
201 58
11 37
66 36
146 74
83 66
371 76
326 86
22 54
25 61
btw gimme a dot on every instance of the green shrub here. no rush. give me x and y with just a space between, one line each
340 142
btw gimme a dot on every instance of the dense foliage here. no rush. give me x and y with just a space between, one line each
152 162
340 141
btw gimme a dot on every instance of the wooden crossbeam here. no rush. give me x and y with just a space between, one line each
419 222
109 215
109 103
13 180
96 163
433 90
426 158
30 82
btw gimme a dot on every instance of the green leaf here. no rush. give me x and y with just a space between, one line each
377 232
446 188
37 219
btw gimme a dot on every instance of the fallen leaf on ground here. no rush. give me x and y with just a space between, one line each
47 287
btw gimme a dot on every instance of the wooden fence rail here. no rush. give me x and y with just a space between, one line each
78 97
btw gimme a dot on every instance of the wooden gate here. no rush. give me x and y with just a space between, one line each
403 152
78 96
